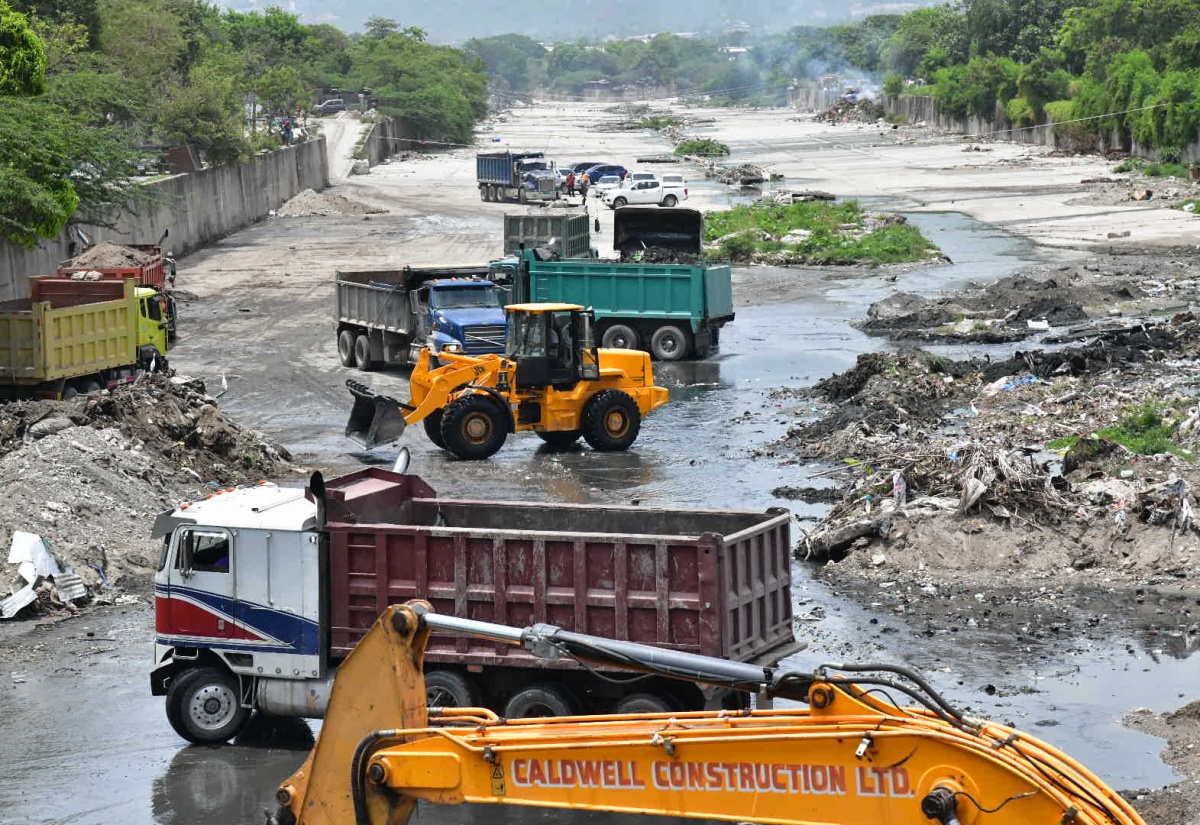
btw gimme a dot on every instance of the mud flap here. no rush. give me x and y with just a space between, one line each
374 419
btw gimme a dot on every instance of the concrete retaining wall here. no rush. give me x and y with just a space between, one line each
387 138
198 208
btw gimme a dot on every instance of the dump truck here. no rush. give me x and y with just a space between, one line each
515 176
660 296
570 235
263 591
77 336
386 316
153 267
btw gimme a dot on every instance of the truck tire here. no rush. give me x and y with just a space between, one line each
539 701
611 421
670 343
433 428
346 347
494 193
90 386
620 336
560 439
619 202
69 392
670 200
644 703
204 706
474 427
449 689
522 196
362 353
483 193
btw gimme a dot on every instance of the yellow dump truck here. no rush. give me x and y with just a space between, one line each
77 336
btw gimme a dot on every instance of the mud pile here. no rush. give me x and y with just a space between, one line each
111 256
308 204
1077 460
88 475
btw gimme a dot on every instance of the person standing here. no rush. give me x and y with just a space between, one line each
571 184
583 186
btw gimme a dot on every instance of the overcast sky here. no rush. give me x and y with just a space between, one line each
453 21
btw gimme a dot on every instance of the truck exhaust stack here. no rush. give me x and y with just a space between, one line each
374 419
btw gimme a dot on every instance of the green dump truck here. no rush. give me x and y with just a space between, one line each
660 296
76 336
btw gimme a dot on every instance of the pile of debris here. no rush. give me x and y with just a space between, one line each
309 204
786 196
847 111
1086 449
88 476
111 256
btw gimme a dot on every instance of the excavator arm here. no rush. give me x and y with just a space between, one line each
851 756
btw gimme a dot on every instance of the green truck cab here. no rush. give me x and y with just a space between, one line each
660 296
76 336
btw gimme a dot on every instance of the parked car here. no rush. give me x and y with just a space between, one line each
644 193
597 172
330 107
637 177
606 184
582 166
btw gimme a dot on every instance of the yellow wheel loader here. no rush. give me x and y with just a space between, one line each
844 754
551 380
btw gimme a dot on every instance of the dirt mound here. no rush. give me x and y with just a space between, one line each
88 475
111 256
309 204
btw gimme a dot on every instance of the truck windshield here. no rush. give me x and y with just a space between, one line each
472 296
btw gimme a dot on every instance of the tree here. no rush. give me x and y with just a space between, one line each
378 28
280 89
206 112
22 55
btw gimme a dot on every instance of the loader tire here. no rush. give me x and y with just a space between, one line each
204 706
346 347
448 689
619 336
560 439
539 701
611 421
473 427
433 428
362 353
670 343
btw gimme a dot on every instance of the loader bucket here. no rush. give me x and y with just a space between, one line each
374 419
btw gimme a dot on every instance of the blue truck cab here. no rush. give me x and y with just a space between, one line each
466 312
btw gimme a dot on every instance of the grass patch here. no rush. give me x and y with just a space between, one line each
1145 430
1130 165
658 122
706 147
836 234
897 119
1194 203
1165 170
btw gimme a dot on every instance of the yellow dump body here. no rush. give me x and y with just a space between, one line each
67 329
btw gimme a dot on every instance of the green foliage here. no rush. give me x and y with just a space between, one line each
658 122
1165 170
1020 112
1131 164
206 112
739 247
705 147
1145 429
977 87
893 83
280 89
22 55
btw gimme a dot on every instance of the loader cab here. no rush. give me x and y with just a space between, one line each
553 345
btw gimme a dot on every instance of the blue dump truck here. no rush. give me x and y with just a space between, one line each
661 296
523 177
385 317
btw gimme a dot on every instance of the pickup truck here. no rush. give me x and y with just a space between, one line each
652 192
385 316
262 591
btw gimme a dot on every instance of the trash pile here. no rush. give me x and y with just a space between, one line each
111 256
309 204
846 111
87 476
1074 459
786 196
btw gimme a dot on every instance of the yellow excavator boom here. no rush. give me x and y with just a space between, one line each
850 757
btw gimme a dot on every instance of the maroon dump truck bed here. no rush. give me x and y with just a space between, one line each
152 273
716 583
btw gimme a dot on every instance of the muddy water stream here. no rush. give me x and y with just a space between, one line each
106 755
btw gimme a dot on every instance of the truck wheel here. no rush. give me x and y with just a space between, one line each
346 347
522 197
669 343
560 439
619 336
433 428
362 353
90 387
619 202
204 706
493 193
611 420
670 200
447 689
69 392
473 427
644 703
539 701
483 193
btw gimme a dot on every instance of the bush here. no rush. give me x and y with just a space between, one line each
706 147
1165 170
658 122
739 247
1020 112
1130 165
893 83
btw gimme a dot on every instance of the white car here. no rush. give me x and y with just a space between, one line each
647 192
606 184
637 177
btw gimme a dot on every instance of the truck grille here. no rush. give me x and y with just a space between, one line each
486 338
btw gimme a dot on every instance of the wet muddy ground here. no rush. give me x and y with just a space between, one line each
85 742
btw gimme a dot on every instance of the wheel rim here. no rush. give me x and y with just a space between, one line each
539 710
620 340
616 423
212 707
440 697
477 428
669 344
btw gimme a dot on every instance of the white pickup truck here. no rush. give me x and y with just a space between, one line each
666 192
